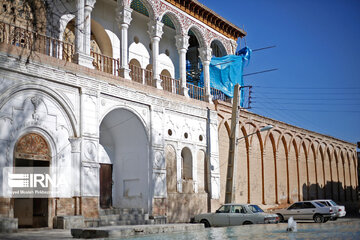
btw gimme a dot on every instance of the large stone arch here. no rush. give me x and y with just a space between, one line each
102 38
256 169
148 5
337 183
282 171
320 171
342 176
218 48
347 174
353 168
303 173
224 136
270 177
125 138
328 173
313 185
174 19
198 34
61 102
293 170
242 170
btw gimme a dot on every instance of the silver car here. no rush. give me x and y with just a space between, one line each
307 210
338 209
235 214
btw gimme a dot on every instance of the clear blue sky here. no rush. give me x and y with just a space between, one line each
317 86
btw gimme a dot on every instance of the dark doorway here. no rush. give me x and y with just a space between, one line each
106 185
31 212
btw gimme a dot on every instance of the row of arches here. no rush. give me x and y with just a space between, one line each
105 42
279 167
192 171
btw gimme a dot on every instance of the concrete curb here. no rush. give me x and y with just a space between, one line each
127 231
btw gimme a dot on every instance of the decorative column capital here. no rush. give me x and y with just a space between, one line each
124 15
155 29
205 54
182 42
75 144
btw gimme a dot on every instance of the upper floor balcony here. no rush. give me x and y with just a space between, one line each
161 44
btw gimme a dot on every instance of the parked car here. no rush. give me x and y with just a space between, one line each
235 214
338 209
307 210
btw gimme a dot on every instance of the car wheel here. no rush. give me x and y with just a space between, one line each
318 218
281 217
206 223
247 223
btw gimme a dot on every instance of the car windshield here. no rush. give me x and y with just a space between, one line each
319 204
255 208
333 203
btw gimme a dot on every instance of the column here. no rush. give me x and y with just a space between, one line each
124 19
182 44
89 6
155 32
76 171
81 57
205 56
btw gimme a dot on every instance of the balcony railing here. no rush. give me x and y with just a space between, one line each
105 64
196 92
218 95
149 78
34 41
136 73
169 84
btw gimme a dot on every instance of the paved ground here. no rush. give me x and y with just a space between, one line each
346 228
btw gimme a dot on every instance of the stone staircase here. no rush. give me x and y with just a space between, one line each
117 216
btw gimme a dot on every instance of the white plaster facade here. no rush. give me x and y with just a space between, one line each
70 115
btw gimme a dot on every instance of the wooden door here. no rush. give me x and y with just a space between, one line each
105 185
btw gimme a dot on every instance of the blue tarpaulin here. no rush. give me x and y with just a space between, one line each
227 71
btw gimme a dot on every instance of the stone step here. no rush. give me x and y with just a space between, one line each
112 211
92 222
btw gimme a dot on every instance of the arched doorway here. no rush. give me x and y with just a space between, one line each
31 150
125 141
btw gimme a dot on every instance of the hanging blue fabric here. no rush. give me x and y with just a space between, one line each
227 71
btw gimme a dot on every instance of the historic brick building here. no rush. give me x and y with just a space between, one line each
101 87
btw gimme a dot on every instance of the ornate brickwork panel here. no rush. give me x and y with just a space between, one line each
32 146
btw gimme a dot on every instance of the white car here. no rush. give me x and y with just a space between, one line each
235 214
339 210
307 210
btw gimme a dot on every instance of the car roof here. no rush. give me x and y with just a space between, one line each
243 204
306 201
